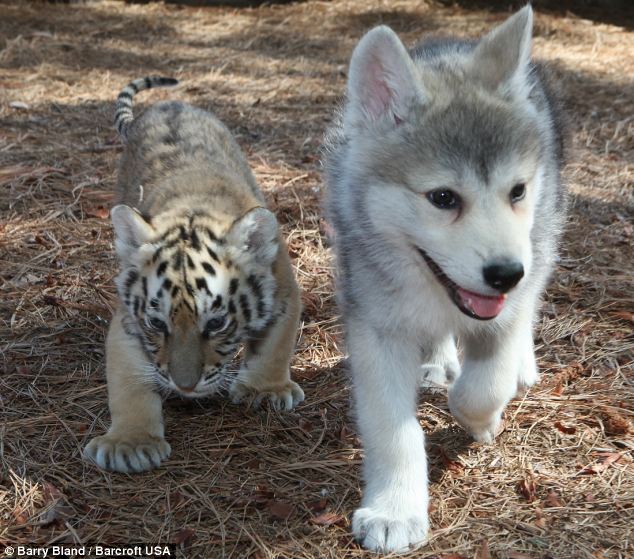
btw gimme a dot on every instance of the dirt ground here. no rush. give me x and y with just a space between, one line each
558 483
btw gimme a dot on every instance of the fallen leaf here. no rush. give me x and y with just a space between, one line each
624 315
176 498
566 376
306 426
564 429
281 510
51 493
607 459
614 423
263 494
253 464
540 519
451 465
184 537
346 434
328 519
528 489
20 516
483 551
317 506
100 212
553 499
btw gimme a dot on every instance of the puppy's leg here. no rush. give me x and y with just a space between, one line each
135 441
441 366
265 373
490 376
386 370
528 374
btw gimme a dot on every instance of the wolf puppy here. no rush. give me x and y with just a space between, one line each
444 193
203 271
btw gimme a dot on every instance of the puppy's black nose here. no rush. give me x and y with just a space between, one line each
503 276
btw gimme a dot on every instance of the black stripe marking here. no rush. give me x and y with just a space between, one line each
209 268
175 290
148 83
144 284
190 262
211 234
217 302
133 276
244 305
195 240
161 269
232 307
201 283
177 261
167 284
256 287
213 254
233 286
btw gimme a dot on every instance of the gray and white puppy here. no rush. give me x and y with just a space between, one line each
445 196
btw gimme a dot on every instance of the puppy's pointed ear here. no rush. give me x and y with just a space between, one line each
501 61
256 234
131 231
382 81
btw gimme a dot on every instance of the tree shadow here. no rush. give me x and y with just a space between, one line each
613 12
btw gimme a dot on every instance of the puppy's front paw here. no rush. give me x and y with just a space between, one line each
483 430
528 376
438 377
385 533
127 453
281 397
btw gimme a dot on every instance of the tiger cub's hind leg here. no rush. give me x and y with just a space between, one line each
135 441
265 374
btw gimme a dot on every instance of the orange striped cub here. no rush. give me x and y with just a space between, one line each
204 271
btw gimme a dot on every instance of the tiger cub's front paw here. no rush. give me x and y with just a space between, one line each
127 453
281 397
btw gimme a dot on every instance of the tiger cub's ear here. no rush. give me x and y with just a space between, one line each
256 234
131 230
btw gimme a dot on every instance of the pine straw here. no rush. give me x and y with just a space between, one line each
559 481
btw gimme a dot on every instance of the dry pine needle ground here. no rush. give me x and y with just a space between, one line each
559 481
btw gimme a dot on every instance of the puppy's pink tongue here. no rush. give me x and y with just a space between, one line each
482 305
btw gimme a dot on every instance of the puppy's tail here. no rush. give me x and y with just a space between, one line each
123 109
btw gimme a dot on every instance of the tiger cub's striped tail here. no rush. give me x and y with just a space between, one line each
123 110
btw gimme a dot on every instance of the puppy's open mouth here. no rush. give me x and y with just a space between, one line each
475 305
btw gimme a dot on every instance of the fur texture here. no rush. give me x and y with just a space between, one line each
204 271
445 196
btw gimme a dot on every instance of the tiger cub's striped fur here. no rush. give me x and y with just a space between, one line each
204 271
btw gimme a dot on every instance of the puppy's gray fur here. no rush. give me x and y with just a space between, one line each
476 118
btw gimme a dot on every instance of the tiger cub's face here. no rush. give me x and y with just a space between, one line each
195 293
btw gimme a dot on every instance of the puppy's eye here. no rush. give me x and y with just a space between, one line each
444 199
157 324
518 192
215 324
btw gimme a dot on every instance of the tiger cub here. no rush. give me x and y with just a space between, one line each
204 271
